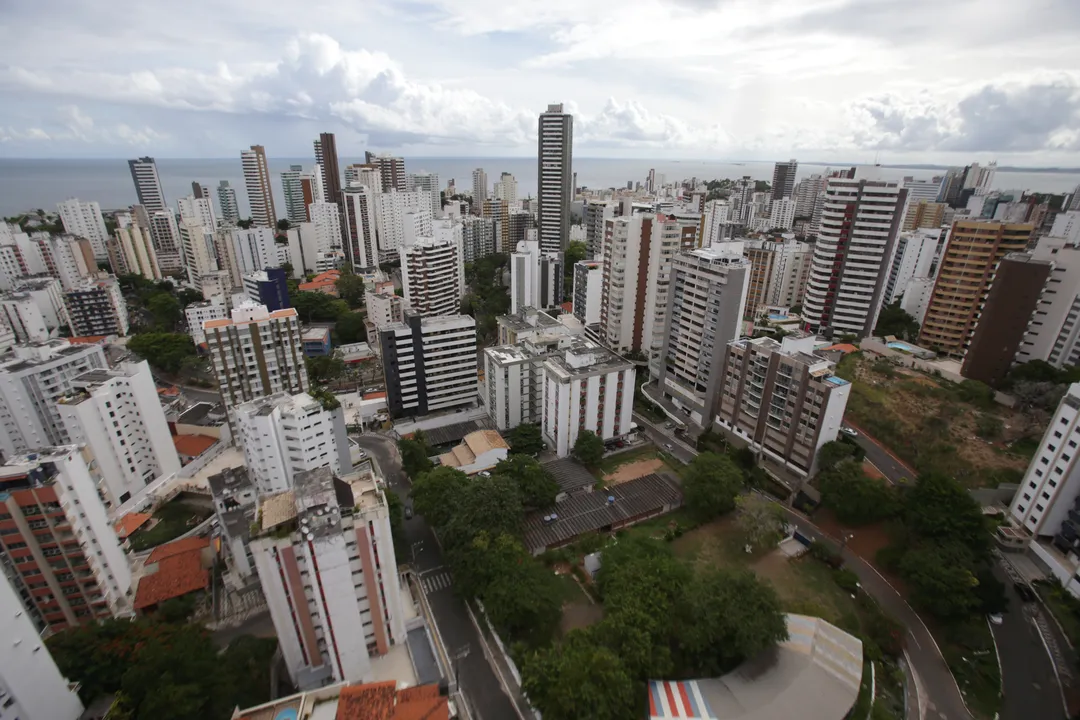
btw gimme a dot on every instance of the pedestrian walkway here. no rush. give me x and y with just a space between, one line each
436 582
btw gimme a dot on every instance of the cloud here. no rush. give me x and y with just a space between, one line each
71 124
631 124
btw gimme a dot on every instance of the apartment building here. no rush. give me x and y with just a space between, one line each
35 311
536 278
328 169
860 221
588 277
782 399
479 190
251 250
325 558
429 364
779 271
783 179
429 183
506 188
131 251
67 258
147 184
296 199
968 267
924 214
65 560
397 213
200 253
230 209
384 308
432 266
917 255
555 188
259 191
269 288
197 211
477 237
367 175
1053 331
117 413
391 172
512 389
197 313
97 308
84 220
361 240
595 215
705 310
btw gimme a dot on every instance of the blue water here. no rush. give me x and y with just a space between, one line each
27 183
897 345
836 380
778 317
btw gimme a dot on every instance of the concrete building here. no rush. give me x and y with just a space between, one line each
200 254
391 172
1053 331
361 239
326 217
512 389
779 272
269 288
132 251
30 385
477 237
259 192
118 415
393 212
706 306
432 267
384 308
554 183
429 183
197 211
367 175
285 434
595 215
197 313
67 563
230 209
166 238
588 276
147 184
916 256
84 220
506 189
783 179
782 399
316 342
860 221
782 214
924 214
479 190
716 221
35 311
296 203
1067 225
251 250
916 297
326 158
31 686
536 278
968 267
67 258
19 256
256 353
429 364
806 195
478 452
586 387
97 308
325 558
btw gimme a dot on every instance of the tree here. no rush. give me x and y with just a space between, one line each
351 328
589 449
942 579
486 504
578 673
396 510
833 453
166 351
525 602
710 484
726 617
575 251
245 224
166 311
938 509
324 369
187 296
535 484
435 493
894 320
855 498
318 307
525 439
351 289
415 455
761 521
283 224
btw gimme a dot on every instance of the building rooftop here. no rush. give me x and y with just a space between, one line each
177 547
585 357
130 523
455 432
371 701
570 475
316 335
230 481
179 572
528 318
193 445
472 446
506 354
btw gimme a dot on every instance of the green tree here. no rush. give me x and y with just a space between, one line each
832 453
170 352
940 510
435 493
415 454
283 224
575 251
535 484
525 602
589 449
245 224
486 504
525 439
351 328
894 320
351 289
942 579
580 676
760 520
187 296
855 498
166 311
396 510
710 484
323 369
318 307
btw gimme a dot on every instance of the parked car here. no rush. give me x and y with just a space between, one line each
850 432
996 619
408 512
669 424
669 446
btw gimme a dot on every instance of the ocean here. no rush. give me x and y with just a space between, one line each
30 184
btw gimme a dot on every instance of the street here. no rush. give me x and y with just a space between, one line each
894 470
478 680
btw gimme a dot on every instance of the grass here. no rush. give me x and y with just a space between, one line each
969 651
172 522
864 701
1064 607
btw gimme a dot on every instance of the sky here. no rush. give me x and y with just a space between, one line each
896 81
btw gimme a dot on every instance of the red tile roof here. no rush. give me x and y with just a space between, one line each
380 701
88 339
842 347
374 395
130 523
567 307
192 445
177 547
177 575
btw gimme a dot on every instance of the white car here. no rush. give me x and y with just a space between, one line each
996 618
850 432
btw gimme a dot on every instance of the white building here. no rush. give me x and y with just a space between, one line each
506 188
429 183
554 187
586 387
66 258
230 210
780 271
429 364
36 310
200 253
915 256
512 390
588 276
197 211
361 238
1053 332
31 686
83 219
19 256
132 251
293 188
147 184
1067 226
325 558
806 195
118 414
432 266
327 220
166 237
257 180
595 214
97 307
479 189
916 298
536 278
197 313
384 308
782 214
254 249
393 211
477 237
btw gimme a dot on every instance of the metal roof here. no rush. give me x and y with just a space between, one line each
455 432
570 475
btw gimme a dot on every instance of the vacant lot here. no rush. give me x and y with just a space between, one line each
169 522
632 464
578 610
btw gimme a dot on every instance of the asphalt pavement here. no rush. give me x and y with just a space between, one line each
478 680
894 470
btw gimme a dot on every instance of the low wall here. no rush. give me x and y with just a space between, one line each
200 462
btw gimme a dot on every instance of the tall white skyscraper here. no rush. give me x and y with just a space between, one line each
83 219
292 185
197 211
147 184
479 189
257 180
506 189
536 279
230 211
554 184
166 236
429 183
358 211
391 209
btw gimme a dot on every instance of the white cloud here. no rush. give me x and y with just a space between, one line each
71 124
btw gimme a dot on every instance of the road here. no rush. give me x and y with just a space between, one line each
478 680
890 466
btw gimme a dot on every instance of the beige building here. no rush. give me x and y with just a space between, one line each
924 214
477 452
257 180
779 273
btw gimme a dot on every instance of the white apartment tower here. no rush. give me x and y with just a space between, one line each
132 251
293 188
166 238
199 312
200 253
147 184
391 209
554 181
477 237
779 273
429 183
253 249
197 211
536 278
433 268
915 256
358 205
67 258
230 210
588 276
118 415
1053 332
506 189
479 190
257 180
83 219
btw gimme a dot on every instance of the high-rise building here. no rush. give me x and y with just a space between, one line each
325 558
132 251
252 249
429 364
384 307
197 211
916 255
326 217
368 175
296 203
1067 227
198 190
783 179
35 311
705 309
782 214
513 386
257 180
782 399
117 413
477 237
197 313
268 287
31 686
285 434
358 206
1054 333
479 190
506 189
97 307
588 276
230 210
806 195
256 353
391 172
433 268
326 158
859 225
83 219
924 215
952 186
780 269
147 184
391 209
968 266
536 278
200 253
59 539
554 191
429 183
67 258
596 213
166 238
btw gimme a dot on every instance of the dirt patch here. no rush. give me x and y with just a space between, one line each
633 470
576 616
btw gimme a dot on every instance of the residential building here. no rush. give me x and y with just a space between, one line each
432 267
83 219
326 217
268 287
326 158
479 451
31 383
716 223
968 267
980 179
512 389
1053 332
916 256
230 210
67 258
296 203
97 308
368 175
527 323
316 342
783 179
588 276
554 187
806 195
860 221
197 211
479 190
391 211
197 313
31 686
594 215
361 240
782 399
536 278
429 364
117 413
253 249
1067 225
916 297
257 181
780 270
924 214
477 237
506 188
166 238
1010 304
256 353
391 172
429 183
782 214
325 558
325 282
35 311
586 387
19 256
285 434
69 568
147 184
200 253
131 251
384 308
706 306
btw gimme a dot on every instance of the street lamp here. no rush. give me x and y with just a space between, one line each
413 547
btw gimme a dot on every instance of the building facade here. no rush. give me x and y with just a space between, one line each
230 209
433 268
97 308
783 179
394 211
196 314
83 219
358 212
588 276
147 184
554 182
536 278
779 271
326 157
197 211
269 288
429 364
260 193
1053 331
